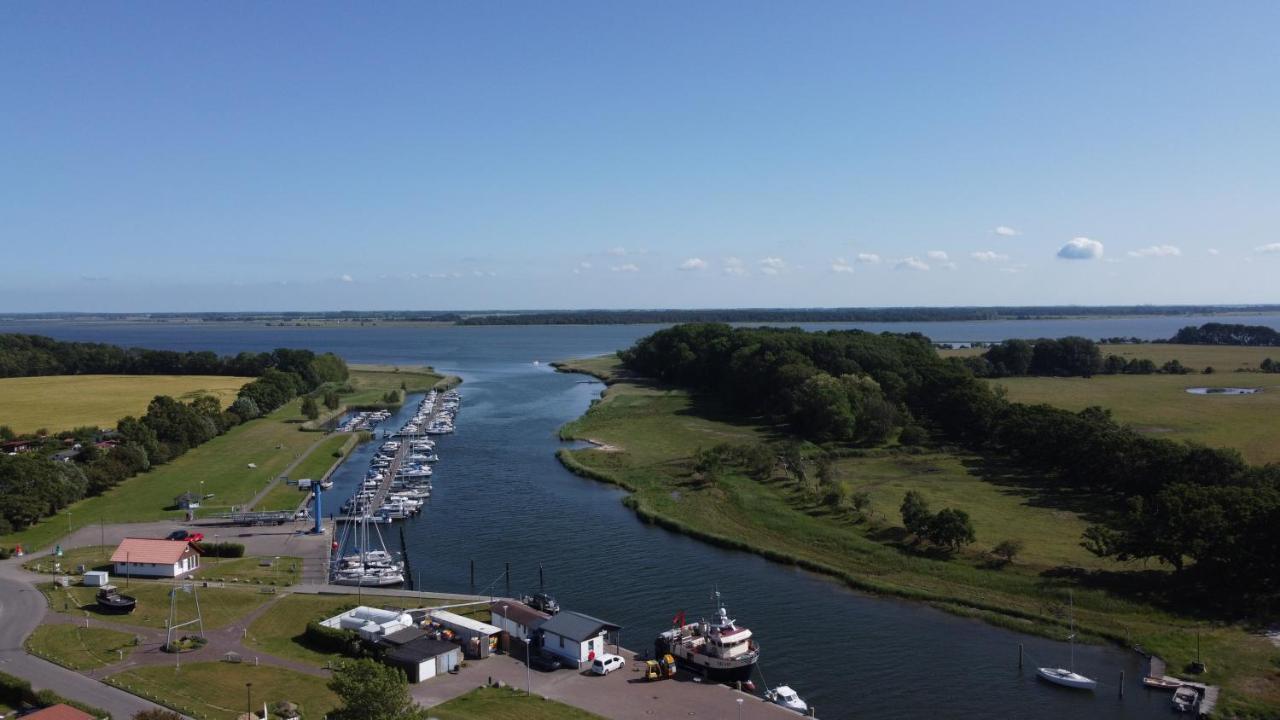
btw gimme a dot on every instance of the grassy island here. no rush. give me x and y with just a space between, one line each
649 437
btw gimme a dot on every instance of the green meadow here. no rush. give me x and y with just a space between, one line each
649 434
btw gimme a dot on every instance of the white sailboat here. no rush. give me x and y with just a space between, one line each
1068 677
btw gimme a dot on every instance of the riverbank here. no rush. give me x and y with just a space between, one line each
655 432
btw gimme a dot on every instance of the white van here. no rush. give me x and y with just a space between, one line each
606 663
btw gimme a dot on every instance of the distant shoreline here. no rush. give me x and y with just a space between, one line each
401 318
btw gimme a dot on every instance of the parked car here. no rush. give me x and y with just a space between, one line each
544 663
606 663
184 535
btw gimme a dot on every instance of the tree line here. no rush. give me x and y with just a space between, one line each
1227 334
31 355
33 485
1061 357
1205 512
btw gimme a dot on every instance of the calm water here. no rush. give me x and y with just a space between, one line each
500 496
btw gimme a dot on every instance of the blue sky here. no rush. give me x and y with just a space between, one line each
165 156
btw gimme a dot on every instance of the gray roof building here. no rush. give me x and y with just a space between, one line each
576 626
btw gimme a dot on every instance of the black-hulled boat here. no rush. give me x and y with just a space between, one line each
111 602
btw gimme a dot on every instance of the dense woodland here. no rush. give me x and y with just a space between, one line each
1226 334
1062 357
1203 511
34 485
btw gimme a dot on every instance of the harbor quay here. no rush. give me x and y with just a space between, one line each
622 695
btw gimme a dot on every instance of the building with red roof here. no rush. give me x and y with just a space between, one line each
147 557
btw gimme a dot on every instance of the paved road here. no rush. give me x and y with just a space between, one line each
22 607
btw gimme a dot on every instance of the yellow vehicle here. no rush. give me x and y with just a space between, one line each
662 668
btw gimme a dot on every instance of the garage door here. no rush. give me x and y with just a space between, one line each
426 669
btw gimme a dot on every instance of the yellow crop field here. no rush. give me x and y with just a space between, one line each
62 402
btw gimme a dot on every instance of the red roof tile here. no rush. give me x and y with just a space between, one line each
59 712
146 550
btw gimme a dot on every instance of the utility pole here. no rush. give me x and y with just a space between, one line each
248 698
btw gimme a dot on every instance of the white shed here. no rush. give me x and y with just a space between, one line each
96 578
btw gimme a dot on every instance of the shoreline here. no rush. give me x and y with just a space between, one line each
993 613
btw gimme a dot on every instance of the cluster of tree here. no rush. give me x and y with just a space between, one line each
836 385
1269 366
33 486
1117 365
1227 334
370 690
32 355
948 528
1064 357
1153 482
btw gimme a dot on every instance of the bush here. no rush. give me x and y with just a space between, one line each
1007 550
220 550
913 435
327 639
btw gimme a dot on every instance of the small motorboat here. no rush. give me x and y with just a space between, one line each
111 602
1066 678
1156 683
1185 699
786 697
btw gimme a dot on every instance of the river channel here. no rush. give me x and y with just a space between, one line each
501 497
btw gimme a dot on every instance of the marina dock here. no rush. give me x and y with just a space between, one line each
384 487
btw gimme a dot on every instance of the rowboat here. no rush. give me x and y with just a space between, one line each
1156 683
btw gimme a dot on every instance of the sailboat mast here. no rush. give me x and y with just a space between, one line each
1071 617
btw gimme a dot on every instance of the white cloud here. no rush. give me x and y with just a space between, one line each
1006 231
987 256
626 267
1214 251
841 266
584 265
734 266
1156 251
911 263
867 259
938 255
694 264
618 251
948 266
772 265
1269 249
346 278
1081 248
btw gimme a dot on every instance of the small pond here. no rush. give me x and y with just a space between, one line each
1223 391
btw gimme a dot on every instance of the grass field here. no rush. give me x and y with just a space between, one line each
1159 405
80 648
220 467
219 606
651 434
279 630
93 557
285 570
285 496
1222 358
217 690
486 703
62 402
